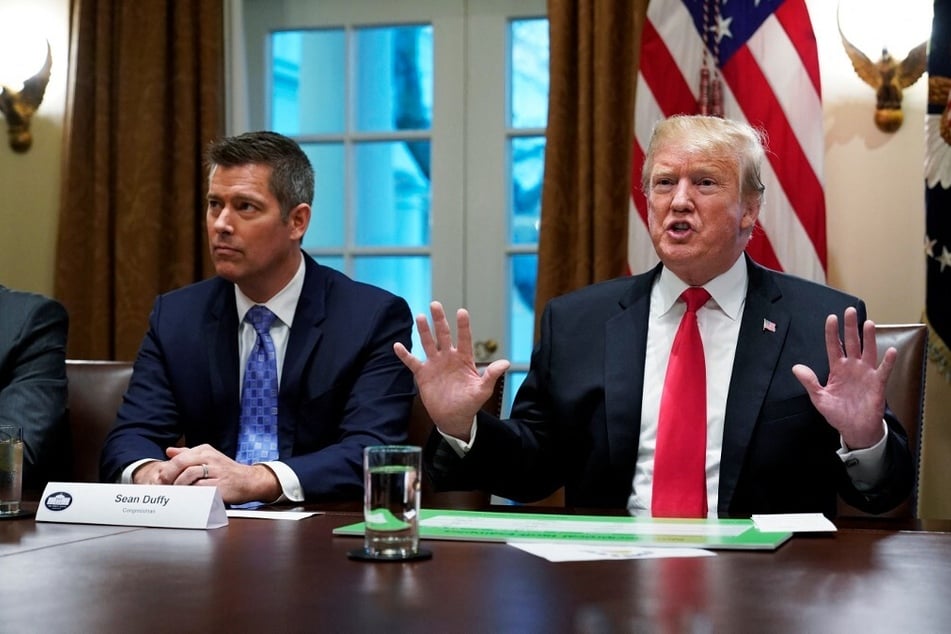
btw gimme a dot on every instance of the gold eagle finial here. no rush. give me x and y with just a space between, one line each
888 77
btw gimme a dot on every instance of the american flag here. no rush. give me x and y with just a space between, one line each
938 188
764 52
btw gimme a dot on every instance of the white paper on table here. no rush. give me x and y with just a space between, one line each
794 523
559 552
271 515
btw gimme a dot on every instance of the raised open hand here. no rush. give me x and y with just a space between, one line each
853 399
449 384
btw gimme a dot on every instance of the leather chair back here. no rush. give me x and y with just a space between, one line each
905 396
95 393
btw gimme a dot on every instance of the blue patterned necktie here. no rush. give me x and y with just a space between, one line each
257 435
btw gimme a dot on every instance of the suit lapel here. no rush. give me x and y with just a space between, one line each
625 341
302 343
221 331
305 331
761 338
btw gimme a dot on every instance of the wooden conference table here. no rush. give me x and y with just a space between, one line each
294 576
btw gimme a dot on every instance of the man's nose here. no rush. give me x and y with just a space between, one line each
222 222
681 199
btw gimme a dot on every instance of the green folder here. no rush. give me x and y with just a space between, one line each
495 526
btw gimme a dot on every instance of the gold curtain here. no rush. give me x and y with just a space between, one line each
595 45
145 97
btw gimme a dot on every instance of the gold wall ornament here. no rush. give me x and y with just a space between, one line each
18 107
888 77
939 94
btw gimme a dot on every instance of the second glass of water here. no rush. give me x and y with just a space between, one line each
11 469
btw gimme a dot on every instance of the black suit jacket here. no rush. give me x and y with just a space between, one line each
33 383
576 420
342 387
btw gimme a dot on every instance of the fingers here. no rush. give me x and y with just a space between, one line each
407 357
833 343
438 338
191 475
884 369
425 335
870 345
464 333
183 458
202 465
494 370
441 327
853 345
807 378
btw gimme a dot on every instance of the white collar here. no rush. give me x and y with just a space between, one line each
283 303
728 289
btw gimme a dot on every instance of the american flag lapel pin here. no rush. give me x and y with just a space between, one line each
769 325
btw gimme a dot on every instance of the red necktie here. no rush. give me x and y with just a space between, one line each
680 481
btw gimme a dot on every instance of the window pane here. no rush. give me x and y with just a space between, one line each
333 261
392 193
521 293
529 91
394 78
528 169
327 215
307 91
407 276
513 381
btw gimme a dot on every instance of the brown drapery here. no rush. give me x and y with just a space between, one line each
595 45
145 97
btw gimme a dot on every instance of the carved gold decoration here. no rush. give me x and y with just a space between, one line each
18 107
889 78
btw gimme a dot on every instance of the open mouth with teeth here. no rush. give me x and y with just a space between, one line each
679 229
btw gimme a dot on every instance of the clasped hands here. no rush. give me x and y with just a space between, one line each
206 466
852 400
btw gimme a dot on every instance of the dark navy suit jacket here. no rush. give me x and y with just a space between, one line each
33 383
342 387
576 420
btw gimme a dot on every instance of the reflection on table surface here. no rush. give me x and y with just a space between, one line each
869 576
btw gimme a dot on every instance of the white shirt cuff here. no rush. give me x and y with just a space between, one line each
461 447
126 476
866 467
291 489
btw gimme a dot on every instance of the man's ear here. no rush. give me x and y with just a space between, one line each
751 208
298 220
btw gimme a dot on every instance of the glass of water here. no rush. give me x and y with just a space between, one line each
391 501
11 469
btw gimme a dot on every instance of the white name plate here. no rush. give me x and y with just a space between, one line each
156 506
